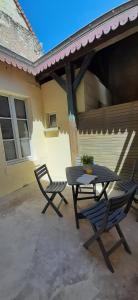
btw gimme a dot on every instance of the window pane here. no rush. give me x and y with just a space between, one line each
23 129
4 107
53 120
6 128
25 148
10 151
20 109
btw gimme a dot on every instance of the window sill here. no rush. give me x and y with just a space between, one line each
18 161
51 129
51 132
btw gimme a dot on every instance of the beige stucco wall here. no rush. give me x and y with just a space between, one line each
53 150
57 143
18 83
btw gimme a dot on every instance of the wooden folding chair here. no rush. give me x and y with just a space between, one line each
53 188
104 216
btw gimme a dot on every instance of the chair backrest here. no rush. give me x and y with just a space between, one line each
134 170
40 172
124 200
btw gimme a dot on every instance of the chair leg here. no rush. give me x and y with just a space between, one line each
63 198
88 243
56 210
125 244
101 245
105 255
75 194
45 208
53 206
93 238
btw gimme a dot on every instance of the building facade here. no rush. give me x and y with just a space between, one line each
48 114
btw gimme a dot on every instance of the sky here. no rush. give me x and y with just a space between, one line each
55 20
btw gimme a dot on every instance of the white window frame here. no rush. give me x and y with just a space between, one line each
16 137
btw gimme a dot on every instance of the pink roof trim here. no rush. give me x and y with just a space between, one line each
16 63
103 29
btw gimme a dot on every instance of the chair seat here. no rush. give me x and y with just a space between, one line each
56 186
96 215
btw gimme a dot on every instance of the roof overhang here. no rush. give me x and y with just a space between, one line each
11 58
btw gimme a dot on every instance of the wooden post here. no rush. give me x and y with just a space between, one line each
72 115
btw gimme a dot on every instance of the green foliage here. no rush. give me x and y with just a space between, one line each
87 160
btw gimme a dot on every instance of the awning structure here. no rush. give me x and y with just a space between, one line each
125 14
96 32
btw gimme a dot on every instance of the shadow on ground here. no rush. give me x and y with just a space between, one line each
42 257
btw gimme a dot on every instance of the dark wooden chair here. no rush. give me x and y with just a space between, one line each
53 188
104 216
125 185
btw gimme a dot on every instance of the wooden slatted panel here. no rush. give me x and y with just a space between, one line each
110 134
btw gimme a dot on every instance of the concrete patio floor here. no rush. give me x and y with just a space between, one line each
42 257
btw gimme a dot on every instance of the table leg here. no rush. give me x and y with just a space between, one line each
103 192
75 193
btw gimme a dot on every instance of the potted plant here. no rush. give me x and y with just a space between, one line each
87 162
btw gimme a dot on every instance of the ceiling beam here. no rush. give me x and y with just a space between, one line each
84 66
59 80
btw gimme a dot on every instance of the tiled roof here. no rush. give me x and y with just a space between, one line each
87 35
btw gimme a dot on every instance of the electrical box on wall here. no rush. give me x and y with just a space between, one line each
51 128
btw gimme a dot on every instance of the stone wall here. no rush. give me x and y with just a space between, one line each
9 8
14 33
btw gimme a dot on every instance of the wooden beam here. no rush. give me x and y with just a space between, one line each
71 112
70 93
59 80
84 66
61 64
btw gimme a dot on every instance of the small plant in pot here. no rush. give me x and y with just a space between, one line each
87 162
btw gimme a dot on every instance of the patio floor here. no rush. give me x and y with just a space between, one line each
42 257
